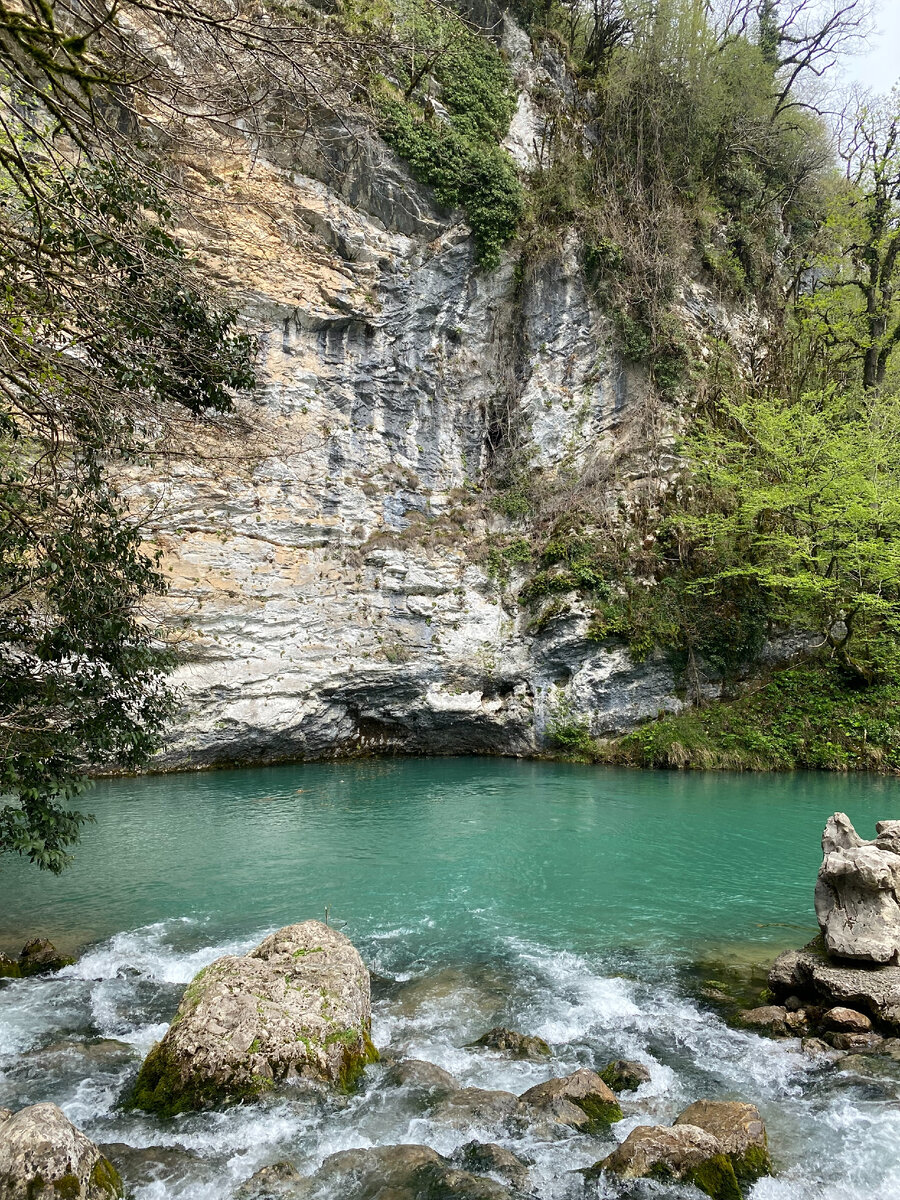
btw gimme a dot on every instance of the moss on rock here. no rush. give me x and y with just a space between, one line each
602 1113
716 1177
164 1089
296 1007
752 1164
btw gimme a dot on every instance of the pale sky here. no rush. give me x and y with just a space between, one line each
878 67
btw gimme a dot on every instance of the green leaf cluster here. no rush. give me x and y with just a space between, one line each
102 334
459 156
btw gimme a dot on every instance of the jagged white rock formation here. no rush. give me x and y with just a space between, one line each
323 555
858 891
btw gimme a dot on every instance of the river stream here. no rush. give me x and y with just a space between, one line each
565 901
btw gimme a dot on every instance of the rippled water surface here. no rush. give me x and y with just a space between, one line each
563 901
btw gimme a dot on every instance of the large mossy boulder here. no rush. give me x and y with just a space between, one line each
740 1131
296 1008
44 1157
678 1154
581 1100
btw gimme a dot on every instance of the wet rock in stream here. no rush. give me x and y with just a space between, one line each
44 1157
623 1075
581 1100
407 1172
423 1078
296 1007
517 1045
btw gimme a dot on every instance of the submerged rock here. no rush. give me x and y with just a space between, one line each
280 1181
41 957
477 1106
421 1076
858 891
854 1041
581 1100
397 1173
487 1158
159 1165
297 1007
518 1045
771 1018
680 1153
44 1157
623 1075
740 1131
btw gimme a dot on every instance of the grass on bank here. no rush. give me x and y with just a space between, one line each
808 716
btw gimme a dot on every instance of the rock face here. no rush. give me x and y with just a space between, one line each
517 1045
581 1100
331 564
873 991
44 1157
297 1007
858 892
683 1153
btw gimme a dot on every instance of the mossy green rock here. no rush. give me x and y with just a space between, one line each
297 1007
40 957
9 968
740 1131
581 1100
624 1075
680 1153
44 1157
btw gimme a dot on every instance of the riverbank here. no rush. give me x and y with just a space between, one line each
803 718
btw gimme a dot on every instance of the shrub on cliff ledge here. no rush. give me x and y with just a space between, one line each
438 58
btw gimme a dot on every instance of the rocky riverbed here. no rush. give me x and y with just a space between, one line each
294 1012
441 1114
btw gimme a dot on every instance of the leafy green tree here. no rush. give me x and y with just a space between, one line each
799 501
106 334
97 348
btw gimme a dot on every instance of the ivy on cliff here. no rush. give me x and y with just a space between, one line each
440 63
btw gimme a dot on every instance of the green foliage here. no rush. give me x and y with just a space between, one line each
795 509
814 716
570 733
109 331
460 157
502 557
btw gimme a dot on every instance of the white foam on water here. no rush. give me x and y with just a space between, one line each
831 1140
148 952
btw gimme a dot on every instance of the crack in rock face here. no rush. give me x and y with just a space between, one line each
858 892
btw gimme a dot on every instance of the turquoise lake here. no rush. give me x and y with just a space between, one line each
561 900
580 857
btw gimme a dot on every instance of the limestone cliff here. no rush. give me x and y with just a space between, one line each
327 592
